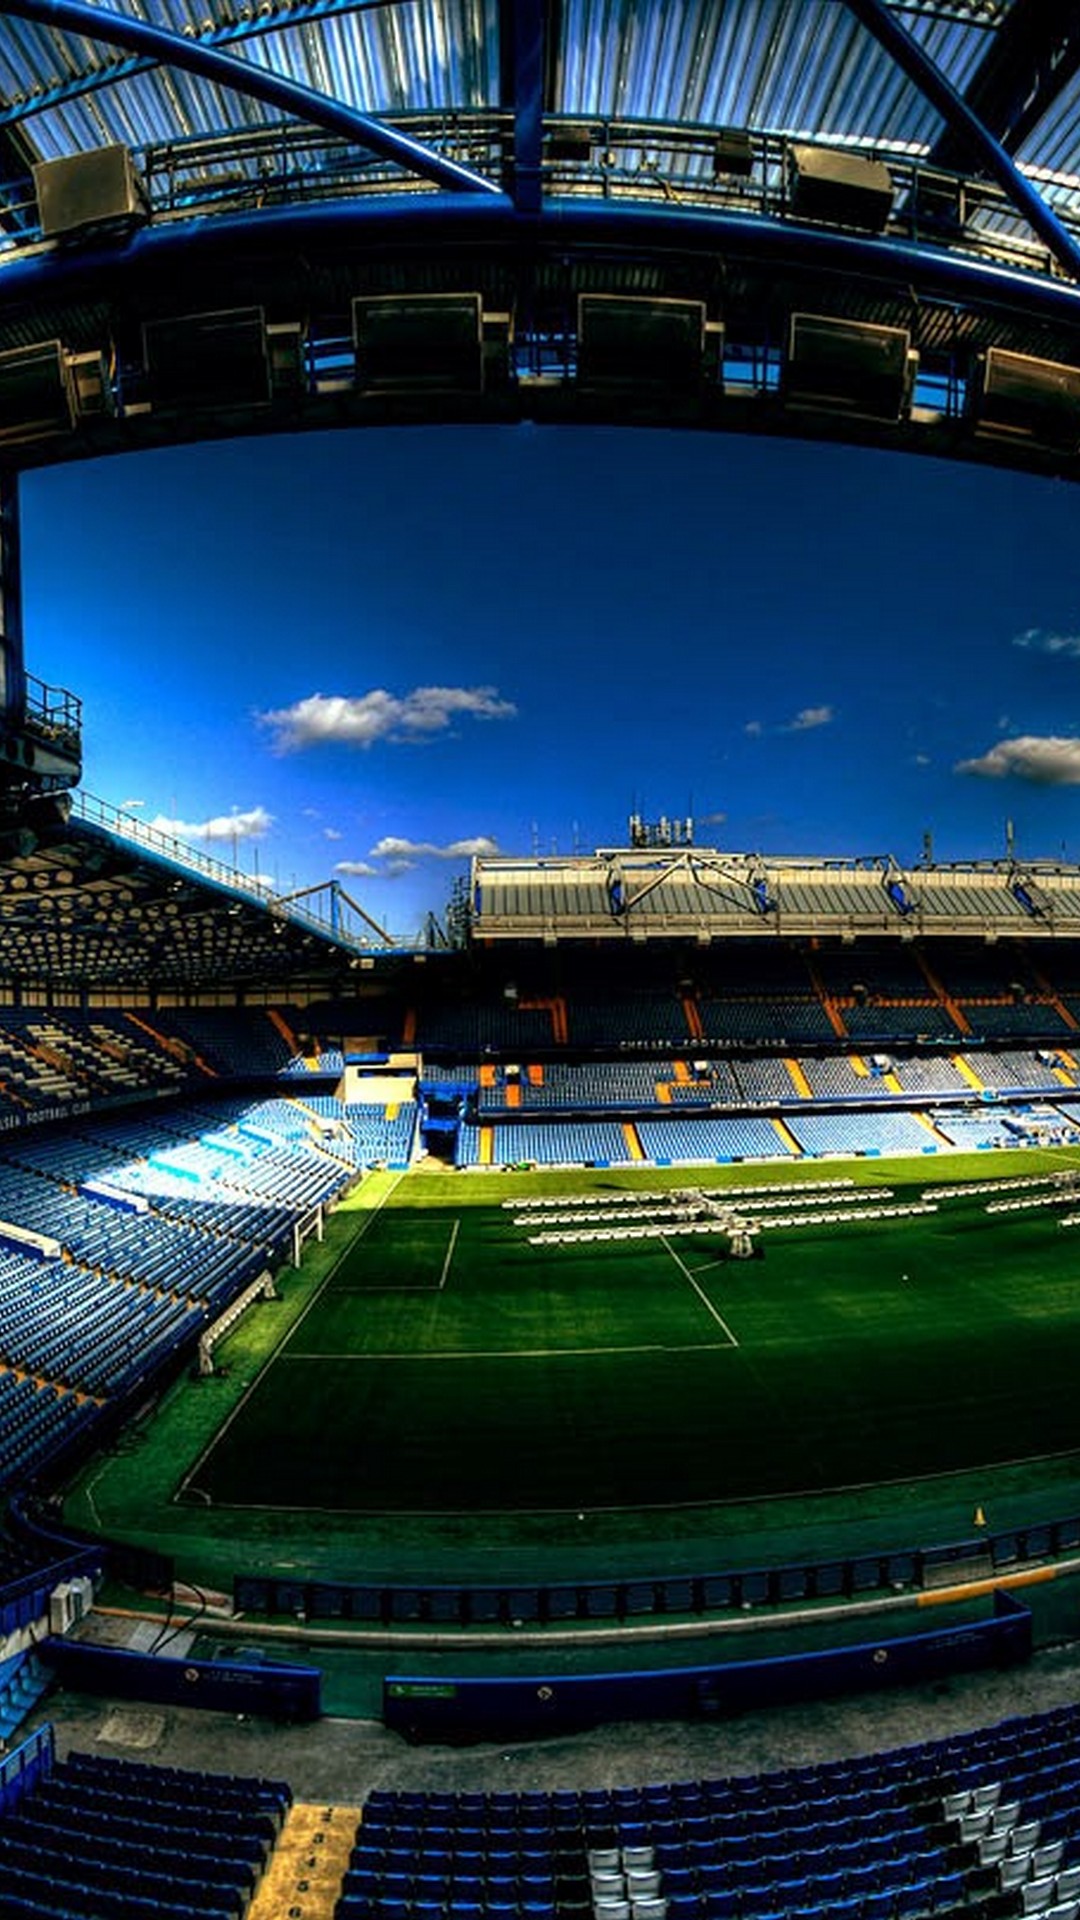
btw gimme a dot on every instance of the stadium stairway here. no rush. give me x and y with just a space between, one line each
307 1867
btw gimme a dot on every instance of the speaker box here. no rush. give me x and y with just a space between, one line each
843 189
732 152
419 343
569 143
35 391
207 360
86 191
848 366
1015 395
632 343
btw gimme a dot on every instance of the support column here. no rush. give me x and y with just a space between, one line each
12 672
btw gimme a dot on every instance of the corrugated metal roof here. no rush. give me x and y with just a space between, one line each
795 66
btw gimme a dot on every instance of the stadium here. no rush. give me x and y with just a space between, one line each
572 1412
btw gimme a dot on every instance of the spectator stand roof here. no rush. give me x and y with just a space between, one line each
297 162
701 893
105 902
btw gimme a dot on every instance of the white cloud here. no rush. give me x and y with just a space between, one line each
804 721
921 760
359 720
331 833
808 718
128 806
360 869
394 848
1038 640
1048 760
251 825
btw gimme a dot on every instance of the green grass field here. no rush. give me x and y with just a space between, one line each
446 1365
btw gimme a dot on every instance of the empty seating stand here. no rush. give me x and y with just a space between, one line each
985 1824
105 1839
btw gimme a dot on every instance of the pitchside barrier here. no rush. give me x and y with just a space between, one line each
522 1707
269 1688
664 1596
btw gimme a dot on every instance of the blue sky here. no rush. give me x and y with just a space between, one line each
368 652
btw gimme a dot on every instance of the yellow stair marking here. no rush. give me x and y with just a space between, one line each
633 1144
513 1094
682 1073
487 1141
858 1065
787 1137
663 1092
1065 1078
799 1080
1059 1006
931 1129
307 1867
557 1009
536 1074
277 1019
487 1074
832 1012
890 1080
692 1016
967 1072
177 1049
955 1013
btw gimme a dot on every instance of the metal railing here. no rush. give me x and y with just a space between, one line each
666 164
255 888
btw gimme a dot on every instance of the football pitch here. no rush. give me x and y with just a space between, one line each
451 1364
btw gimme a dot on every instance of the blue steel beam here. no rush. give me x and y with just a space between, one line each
965 123
171 255
191 56
1029 60
269 19
12 670
521 43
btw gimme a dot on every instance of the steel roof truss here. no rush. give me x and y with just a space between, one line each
193 55
961 119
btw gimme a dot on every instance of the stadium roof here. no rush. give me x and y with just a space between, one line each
103 902
294 163
700 893
811 68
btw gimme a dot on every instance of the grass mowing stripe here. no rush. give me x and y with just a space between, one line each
702 1296
189 1484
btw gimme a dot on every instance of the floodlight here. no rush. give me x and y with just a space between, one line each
848 366
1019 397
419 343
35 391
202 360
627 342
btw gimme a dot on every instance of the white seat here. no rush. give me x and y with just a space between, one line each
1038 1894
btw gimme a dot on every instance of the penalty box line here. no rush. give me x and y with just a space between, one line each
391 1286
702 1296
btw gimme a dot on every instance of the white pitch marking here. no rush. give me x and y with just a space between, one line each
522 1353
702 1296
449 1255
